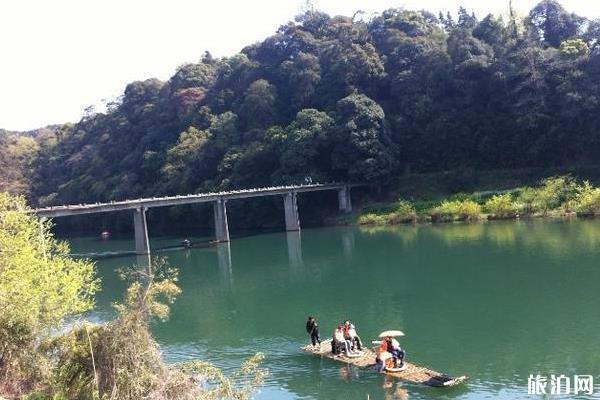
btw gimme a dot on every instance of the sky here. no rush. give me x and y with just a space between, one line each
58 57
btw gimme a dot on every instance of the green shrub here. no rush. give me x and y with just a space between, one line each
556 192
405 212
469 210
448 211
502 206
527 197
445 212
587 200
122 360
552 194
371 219
40 288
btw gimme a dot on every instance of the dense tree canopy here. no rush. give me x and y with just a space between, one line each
344 99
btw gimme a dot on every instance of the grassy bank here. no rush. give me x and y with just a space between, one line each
551 197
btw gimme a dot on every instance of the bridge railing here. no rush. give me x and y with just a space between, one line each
73 209
219 199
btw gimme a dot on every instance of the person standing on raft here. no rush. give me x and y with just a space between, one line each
312 328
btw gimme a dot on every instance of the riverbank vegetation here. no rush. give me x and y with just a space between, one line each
46 354
556 196
40 287
403 212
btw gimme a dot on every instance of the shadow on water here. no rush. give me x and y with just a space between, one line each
158 245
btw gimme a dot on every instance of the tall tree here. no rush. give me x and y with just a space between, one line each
553 23
362 151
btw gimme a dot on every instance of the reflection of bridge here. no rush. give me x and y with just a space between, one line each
139 207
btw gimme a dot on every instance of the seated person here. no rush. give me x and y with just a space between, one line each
339 343
397 353
384 356
351 335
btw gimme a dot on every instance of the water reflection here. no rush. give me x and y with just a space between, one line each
557 237
294 247
455 233
348 243
407 233
225 265
394 390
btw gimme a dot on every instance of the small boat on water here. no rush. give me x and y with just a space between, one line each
189 244
409 372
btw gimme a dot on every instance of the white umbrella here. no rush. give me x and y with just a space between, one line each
390 333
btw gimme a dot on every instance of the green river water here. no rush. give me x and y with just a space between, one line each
494 301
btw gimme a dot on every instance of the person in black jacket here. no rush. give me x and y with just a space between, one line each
312 328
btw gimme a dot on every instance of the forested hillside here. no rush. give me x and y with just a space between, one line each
340 98
17 154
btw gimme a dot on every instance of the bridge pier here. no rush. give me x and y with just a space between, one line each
142 244
290 206
344 201
221 226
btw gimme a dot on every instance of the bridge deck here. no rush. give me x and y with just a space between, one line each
60 211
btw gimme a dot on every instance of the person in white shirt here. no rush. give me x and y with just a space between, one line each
350 334
340 341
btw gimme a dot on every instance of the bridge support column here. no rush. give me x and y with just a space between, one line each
290 206
344 199
221 226
142 244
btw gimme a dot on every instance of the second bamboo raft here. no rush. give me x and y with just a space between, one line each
411 373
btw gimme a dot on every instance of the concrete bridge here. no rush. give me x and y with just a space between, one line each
219 200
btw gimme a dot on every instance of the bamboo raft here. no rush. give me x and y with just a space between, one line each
410 373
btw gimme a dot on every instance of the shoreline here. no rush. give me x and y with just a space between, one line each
554 198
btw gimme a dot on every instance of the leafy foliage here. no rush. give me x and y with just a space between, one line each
402 212
344 99
448 211
553 193
40 286
121 359
587 200
554 196
405 212
372 219
502 206
17 155
239 386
